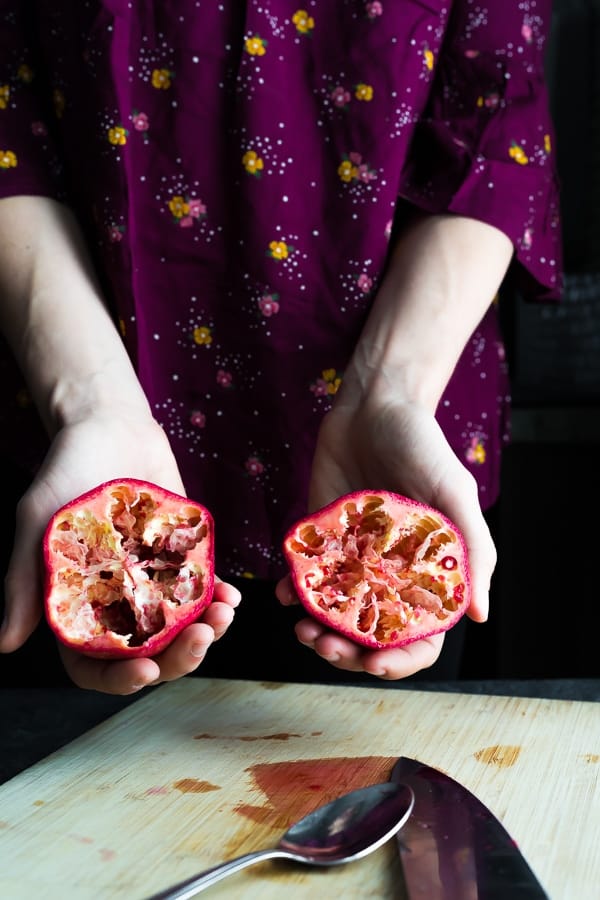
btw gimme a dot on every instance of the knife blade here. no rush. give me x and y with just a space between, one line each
453 847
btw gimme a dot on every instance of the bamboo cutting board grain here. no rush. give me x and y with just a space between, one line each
203 770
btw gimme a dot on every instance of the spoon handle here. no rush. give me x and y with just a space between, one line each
192 886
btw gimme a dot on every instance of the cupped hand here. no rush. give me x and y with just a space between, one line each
386 443
80 457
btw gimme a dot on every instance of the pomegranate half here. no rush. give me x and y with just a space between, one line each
380 568
127 566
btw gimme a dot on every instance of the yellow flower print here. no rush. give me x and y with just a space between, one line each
428 58
4 95
59 102
122 327
354 169
161 79
255 45
252 162
476 452
347 171
117 135
8 159
547 143
25 73
327 384
202 335
518 154
303 22
279 250
363 92
178 206
248 575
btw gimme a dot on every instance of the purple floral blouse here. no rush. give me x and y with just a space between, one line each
236 165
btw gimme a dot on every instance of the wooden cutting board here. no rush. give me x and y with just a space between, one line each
203 770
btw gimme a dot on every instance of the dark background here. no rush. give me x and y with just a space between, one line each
545 612
545 619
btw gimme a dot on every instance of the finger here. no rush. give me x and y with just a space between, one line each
185 653
226 593
481 550
285 592
180 658
108 676
390 664
401 662
333 648
219 617
482 562
23 589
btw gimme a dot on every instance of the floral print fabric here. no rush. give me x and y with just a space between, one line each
237 166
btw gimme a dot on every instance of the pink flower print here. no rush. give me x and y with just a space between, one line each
527 239
268 304
365 174
38 129
254 466
197 419
224 378
527 32
140 121
387 233
115 234
319 388
471 54
186 222
491 100
340 96
374 9
353 169
364 282
197 208
475 452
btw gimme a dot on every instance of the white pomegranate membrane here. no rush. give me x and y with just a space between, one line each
380 568
128 565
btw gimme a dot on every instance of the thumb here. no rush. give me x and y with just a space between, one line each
22 592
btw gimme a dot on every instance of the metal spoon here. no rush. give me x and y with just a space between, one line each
339 832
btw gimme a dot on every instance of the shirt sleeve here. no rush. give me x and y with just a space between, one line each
484 147
29 161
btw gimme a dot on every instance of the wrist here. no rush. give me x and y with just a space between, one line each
109 392
442 277
388 374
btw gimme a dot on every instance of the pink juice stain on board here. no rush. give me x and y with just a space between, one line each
295 788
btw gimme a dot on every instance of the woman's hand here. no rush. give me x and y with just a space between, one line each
390 445
82 456
381 433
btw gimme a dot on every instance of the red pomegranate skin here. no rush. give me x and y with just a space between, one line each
127 566
380 568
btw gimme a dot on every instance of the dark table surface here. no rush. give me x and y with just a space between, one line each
35 722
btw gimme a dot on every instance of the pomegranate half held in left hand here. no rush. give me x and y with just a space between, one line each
380 568
127 566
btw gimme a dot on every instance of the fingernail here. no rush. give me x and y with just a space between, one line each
198 650
137 687
334 657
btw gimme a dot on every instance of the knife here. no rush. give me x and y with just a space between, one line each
453 847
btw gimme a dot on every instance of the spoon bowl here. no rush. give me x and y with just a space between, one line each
347 829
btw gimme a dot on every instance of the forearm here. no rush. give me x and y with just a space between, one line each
443 274
54 318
